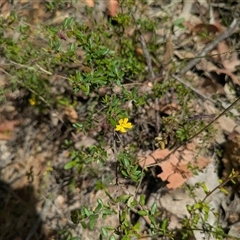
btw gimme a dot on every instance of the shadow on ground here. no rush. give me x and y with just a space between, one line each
18 216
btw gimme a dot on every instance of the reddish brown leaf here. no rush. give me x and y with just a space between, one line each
7 128
174 168
112 8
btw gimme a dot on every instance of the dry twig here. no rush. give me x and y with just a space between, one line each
211 46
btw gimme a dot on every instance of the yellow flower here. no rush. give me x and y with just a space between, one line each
32 101
123 124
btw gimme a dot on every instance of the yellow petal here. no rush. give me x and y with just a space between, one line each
118 128
123 130
125 120
128 125
121 121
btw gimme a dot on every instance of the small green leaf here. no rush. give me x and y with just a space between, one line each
204 187
152 219
130 200
153 208
98 208
164 224
142 200
123 198
124 173
99 200
67 22
92 224
93 216
112 238
143 213
70 165
107 212
72 47
104 232
198 205
179 22
223 190
134 203
86 211
84 225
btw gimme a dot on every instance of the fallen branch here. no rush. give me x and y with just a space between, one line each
211 46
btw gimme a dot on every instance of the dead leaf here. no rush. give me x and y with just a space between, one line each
71 114
174 169
90 3
7 128
169 108
231 75
228 58
203 28
112 8
168 55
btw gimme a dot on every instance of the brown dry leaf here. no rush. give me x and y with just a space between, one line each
71 114
168 55
229 59
174 169
207 66
112 8
7 128
139 51
204 28
90 3
183 54
169 108
231 75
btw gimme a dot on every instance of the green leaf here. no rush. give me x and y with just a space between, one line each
136 227
70 165
104 232
134 203
124 173
143 213
92 224
84 225
93 216
123 198
164 224
204 187
99 200
142 200
198 205
130 200
223 190
152 219
179 22
86 211
153 208
107 212
72 47
112 238
67 22
98 208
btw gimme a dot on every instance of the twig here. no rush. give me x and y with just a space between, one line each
192 88
147 55
153 77
211 46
